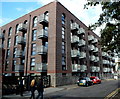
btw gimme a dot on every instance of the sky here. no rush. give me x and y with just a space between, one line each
13 9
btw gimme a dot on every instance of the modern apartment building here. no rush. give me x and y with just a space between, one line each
52 41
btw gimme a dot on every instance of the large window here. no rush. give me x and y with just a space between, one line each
6 65
9 42
10 31
14 64
32 65
35 21
34 34
17 28
33 51
46 15
16 39
8 53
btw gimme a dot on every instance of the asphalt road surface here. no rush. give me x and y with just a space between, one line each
94 92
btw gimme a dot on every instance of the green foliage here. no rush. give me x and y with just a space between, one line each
110 35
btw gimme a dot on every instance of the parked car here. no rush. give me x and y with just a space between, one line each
84 81
95 79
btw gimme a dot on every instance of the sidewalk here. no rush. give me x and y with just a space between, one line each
49 90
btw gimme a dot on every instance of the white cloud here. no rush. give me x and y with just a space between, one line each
76 7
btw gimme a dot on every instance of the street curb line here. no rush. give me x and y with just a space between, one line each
112 94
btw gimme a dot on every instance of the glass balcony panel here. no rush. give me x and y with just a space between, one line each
41 67
42 50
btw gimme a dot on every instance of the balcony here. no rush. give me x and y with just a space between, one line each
83 68
96 59
74 39
19 68
82 55
41 67
21 40
75 53
22 27
1 35
105 70
42 34
19 53
104 54
95 50
42 20
90 37
93 69
97 69
105 62
74 27
92 58
42 50
95 40
81 43
81 31
75 67
91 47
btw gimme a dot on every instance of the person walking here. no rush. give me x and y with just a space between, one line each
32 85
40 89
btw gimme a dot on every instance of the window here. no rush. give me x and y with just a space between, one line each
63 47
17 28
63 33
34 21
46 15
63 18
34 34
63 60
33 52
32 64
10 31
16 39
8 53
9 42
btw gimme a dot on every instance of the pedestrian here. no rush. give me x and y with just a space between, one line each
40 88
32 88
21 86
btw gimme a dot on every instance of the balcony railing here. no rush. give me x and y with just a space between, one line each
41 67
92 58
104 54
22 27
19 68
81 31
97 69
42 34
74 26
75 53
43 20
74 39
93 69
91 47
81 43
96 59
42 50
75 67
19 53
83 68
82 55
21 40
95 49
95 40
105 70
90 37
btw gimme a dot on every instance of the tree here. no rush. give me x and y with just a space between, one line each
110 35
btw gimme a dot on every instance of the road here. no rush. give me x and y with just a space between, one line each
95 91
